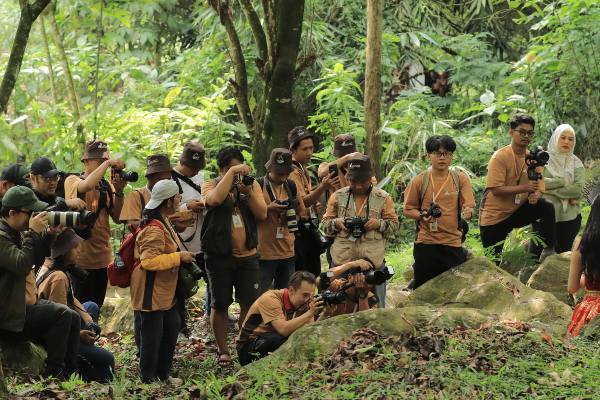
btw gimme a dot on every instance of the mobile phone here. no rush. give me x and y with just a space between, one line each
333 169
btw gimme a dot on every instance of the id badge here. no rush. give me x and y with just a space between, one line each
279 234
518 199
237 221
433 226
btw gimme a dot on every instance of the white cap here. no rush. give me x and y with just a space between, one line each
163 190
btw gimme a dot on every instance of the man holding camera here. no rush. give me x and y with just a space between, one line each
44 177
438 199
22 315
308 246
344 148
13 175
158 167
276 315
235 203
102 198
276 234
511 199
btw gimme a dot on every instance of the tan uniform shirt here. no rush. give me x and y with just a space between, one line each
304 186
158 248
504 169
238 233
275 241
447 197
132 205
267 308
95 252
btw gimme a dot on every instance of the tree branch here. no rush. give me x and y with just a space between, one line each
240 85
257 30
29 13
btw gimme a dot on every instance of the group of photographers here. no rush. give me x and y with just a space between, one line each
260 238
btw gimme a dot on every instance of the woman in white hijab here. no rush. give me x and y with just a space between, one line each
564 177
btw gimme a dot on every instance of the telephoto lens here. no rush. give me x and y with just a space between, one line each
71 219
292 221
127 176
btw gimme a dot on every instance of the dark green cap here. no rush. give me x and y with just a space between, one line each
17 174
23 197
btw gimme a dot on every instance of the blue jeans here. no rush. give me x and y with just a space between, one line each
275 274
94 363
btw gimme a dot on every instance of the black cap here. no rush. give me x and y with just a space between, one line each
17 174
359 168
45 167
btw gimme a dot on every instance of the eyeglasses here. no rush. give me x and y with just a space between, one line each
442 154
28 212
525 133
51 179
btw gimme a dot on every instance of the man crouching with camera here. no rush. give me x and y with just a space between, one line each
277 314
360 217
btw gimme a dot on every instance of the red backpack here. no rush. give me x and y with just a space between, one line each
119 271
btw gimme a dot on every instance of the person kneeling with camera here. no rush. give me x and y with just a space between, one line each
277 314
54 284
348 288
154 282
439 199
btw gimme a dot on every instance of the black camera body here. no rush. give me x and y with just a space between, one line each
356 226
286 203
60 204
434 211
248 180
195 271
94 327
331 297
127 176
375 276
537 157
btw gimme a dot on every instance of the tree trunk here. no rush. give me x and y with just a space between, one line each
49 58
29 13
64 61
280 116
373 86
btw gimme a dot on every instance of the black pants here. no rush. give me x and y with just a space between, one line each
158 337
543 211
308 253
55 327
259 347
432 260
565 235
275 273
95 364
92 287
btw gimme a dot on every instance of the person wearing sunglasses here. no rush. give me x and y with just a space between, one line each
22 315
511 200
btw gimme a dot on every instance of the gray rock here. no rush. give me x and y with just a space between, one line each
552 276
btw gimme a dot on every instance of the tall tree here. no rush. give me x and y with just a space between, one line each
373 85
277 38
29 13
49 58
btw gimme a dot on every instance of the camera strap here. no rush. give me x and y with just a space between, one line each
177 177
357 211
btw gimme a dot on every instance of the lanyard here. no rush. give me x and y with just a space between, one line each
273 191
518 171
359 210
433 186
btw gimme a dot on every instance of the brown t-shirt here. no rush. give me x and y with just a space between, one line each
504 169
95 252
267 308
447 196
304 186
132 205
153 243
55 288
238 231
272 246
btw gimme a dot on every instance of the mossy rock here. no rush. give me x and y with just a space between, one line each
396 295
323 337
22 357
480 284
552 276
592 329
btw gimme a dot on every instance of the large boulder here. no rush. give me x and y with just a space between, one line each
24 357
480 284
324 337
116 315
396 295
552 276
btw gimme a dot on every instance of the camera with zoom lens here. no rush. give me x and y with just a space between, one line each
94 327
356 226
127 176
248 180
290 215
537 157
331 297
59 205
376 276
195 271
434 210
71 219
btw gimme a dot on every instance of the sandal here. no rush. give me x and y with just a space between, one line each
224 358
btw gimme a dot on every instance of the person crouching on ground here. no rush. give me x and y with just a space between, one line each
154 282
277 314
